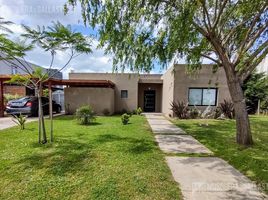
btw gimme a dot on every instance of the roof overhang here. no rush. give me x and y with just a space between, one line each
71 82
83 83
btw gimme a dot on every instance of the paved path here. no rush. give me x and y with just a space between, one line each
7 122
200 178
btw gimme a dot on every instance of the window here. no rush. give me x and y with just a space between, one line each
124 94
202 96
14 70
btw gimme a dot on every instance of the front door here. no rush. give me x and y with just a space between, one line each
149 101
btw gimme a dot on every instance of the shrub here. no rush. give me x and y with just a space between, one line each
125 118
138 111
180 109
85 115
20 120
106 112
194 113
227 108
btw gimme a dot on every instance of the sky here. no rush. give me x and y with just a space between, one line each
42 13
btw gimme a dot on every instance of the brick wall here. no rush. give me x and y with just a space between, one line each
15 90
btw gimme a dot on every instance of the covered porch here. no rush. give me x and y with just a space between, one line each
150 95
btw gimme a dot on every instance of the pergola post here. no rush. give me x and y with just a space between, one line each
1 98
50 111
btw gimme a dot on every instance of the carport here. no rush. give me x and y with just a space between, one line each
54 82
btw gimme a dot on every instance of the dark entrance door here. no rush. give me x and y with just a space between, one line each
149 101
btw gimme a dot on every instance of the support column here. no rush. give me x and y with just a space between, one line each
50 111
1 98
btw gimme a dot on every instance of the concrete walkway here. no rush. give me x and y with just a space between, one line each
172 139
200 178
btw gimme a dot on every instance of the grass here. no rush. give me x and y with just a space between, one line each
219 136
106 160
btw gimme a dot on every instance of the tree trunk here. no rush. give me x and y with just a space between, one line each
243 132
42 130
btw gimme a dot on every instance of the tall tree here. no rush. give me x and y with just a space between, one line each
51 39
231 33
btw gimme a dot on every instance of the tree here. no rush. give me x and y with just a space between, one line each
255 89
8 47
51 39
230 33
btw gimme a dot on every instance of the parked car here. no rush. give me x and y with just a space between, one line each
29 106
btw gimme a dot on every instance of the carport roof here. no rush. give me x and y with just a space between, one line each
72 82
82 82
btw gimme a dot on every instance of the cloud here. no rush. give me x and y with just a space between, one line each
42 13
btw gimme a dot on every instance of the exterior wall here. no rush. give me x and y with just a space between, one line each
98 98
204 78
15 90
158 93
122 82
174 85
168 91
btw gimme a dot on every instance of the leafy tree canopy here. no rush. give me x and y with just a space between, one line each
139 32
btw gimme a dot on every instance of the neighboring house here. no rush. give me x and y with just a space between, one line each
151 92
263 66
7 68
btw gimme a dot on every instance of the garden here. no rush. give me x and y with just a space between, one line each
102 160
219 137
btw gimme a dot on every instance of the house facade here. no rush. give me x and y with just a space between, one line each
151 92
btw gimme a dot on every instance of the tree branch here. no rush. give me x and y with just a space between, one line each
222 6
233 30
200 29
257 51
250 61
254 64
66 64
208 57
256 36
206 15
246 38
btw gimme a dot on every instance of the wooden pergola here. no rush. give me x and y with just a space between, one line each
53 82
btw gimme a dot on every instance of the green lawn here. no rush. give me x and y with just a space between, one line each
103 161
219 137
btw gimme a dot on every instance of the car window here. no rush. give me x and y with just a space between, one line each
23 99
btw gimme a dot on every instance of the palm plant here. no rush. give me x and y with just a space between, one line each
180 109
20 120
227 108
